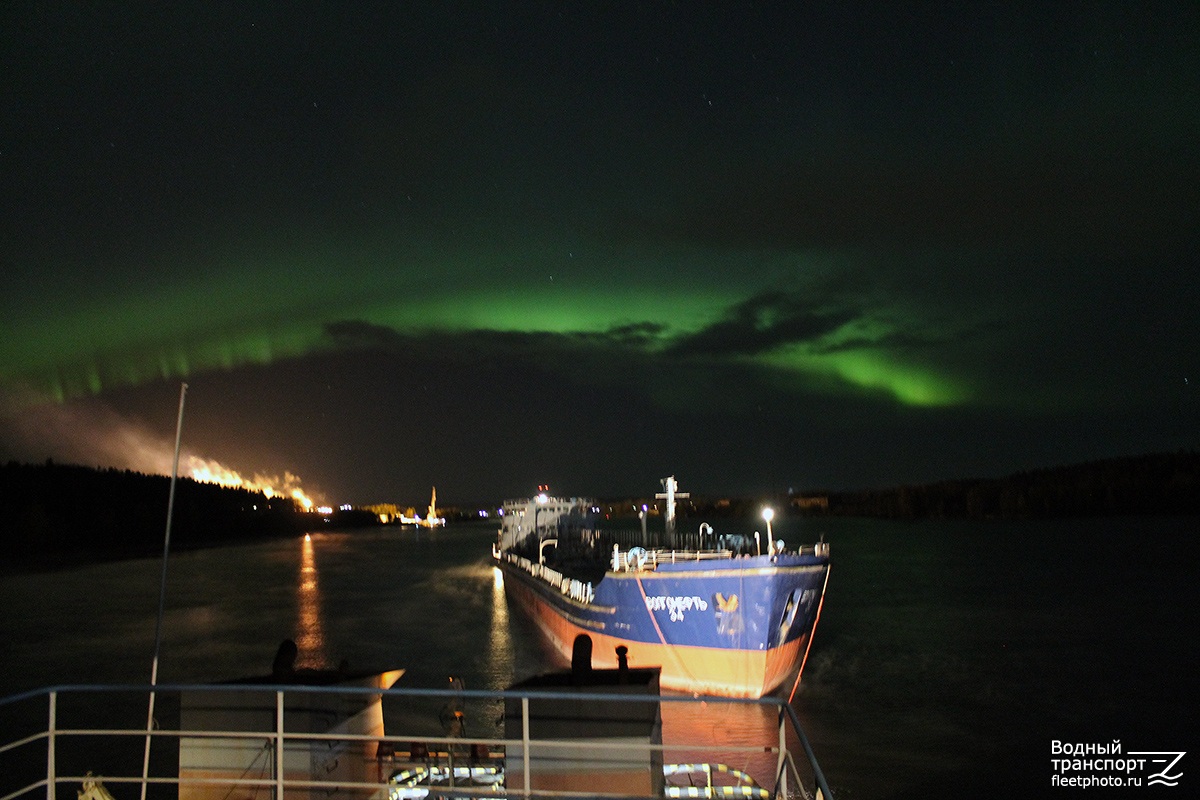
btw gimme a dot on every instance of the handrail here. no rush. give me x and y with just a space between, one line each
59 740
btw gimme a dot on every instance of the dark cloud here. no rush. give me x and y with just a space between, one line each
896 340
760 324
357 333
487 414
637 334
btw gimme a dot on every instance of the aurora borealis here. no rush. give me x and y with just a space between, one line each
486 246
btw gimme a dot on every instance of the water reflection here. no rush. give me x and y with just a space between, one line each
725 733
310 635
500 645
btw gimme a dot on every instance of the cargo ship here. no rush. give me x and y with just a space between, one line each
720 614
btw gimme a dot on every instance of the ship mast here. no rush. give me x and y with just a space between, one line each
671 492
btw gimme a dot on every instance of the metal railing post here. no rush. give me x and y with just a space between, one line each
818 775
51 767
525 740
780 770
279 744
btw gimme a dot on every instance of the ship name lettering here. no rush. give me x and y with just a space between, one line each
676 605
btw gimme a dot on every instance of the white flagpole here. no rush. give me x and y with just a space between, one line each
162 591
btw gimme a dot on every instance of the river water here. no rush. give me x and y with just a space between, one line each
949 656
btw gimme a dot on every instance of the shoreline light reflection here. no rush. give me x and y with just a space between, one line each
310 633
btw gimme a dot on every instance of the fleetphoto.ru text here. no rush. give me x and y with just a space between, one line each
1088 764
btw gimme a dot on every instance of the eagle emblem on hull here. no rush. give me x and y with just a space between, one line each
729 618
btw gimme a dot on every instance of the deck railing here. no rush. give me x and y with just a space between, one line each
234 742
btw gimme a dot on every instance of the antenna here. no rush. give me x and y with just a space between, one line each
671 486
162 590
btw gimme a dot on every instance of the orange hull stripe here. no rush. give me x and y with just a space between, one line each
685 668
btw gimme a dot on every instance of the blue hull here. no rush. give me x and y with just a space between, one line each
727 626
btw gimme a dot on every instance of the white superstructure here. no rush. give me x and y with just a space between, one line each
542 513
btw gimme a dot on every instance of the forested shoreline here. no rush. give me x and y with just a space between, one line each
1153 484
1160 483
56 514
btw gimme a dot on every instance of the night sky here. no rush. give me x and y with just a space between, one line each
490 245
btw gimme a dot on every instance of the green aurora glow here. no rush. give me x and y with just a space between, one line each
267 310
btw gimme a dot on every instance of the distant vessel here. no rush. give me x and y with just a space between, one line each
431 520
725 616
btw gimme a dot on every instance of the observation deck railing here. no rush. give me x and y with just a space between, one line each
302 743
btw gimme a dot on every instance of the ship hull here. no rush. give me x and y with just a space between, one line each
734 627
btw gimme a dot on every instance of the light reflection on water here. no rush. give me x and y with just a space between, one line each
500 643
721 730
310 635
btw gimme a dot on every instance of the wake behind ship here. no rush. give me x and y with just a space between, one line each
721 618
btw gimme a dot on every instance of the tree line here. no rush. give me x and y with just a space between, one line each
63 513
1160 483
